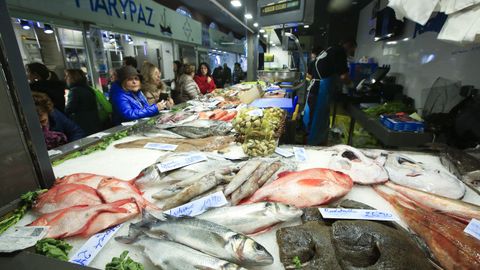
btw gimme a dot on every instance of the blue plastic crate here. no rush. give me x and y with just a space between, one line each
402 124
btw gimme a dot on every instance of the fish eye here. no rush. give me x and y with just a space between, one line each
257 246
237 237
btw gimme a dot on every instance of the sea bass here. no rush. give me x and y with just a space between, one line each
305 188
64 196
457 209
251 218
407 172
354 163
205 236
444 236
174 256
75 220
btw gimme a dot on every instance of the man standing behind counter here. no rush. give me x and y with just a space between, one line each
329 71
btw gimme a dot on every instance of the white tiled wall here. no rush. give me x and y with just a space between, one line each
420 61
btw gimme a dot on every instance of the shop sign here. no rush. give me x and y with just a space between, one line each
139 16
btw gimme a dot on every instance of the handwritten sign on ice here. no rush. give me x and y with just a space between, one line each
363 214
92 247
473 228
300 154
161 146
283 152
199 206
181 162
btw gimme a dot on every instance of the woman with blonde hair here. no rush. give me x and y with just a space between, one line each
153 87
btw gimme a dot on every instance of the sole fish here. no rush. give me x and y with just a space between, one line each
354 163
252 218
174 256
205 236
305 188
407 172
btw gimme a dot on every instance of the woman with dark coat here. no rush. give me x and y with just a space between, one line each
82 102
128 102
57 128
42 80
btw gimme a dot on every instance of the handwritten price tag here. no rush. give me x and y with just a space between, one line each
92 247
160 146
363 214
199 206
283 152
181 162
300 154
473 228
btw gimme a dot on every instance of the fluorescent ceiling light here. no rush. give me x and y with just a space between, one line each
265 36
273 44
262 31
391 42
406 39
306 26
255 24
236 3
48 29
248 16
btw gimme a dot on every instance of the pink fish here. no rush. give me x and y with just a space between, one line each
66 195
88 179
76 220
112 189
305 188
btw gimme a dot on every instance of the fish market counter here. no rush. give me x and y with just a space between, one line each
127 163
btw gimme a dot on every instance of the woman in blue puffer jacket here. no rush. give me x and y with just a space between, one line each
128 102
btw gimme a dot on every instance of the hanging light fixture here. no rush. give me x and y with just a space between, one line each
25 24
48 29
236 3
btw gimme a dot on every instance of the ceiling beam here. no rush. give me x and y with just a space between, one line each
220 6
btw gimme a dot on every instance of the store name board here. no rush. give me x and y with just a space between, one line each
280 7
123 9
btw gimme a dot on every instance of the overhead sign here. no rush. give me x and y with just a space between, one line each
280 7
137 16
292 11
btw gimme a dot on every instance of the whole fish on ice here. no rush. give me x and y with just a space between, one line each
305 188
202 128
354 163
174 256
205 236
251 218
407 172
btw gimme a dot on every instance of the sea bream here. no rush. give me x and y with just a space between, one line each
304 188
205 236
252 218
174 256
407 172
354 163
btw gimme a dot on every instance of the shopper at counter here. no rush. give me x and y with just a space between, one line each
177 71
187 87
204 79
42 80
227 74
217 76
128 102
153 87
57 128
81 103
238 74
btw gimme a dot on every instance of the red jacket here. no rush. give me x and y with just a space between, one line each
203 84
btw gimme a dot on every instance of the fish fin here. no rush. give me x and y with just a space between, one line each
311 182
131 238
201 267
285 173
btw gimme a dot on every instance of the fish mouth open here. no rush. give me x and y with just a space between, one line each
351 156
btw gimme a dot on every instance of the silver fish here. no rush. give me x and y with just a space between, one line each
252 218
174 256
242 176
205 236
202 128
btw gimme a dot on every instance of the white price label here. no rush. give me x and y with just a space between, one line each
99 135
181 162
131 123
473 228
18 238
160 146
300 154
283 152
54 152
199 206
92 247
363 214
256 112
